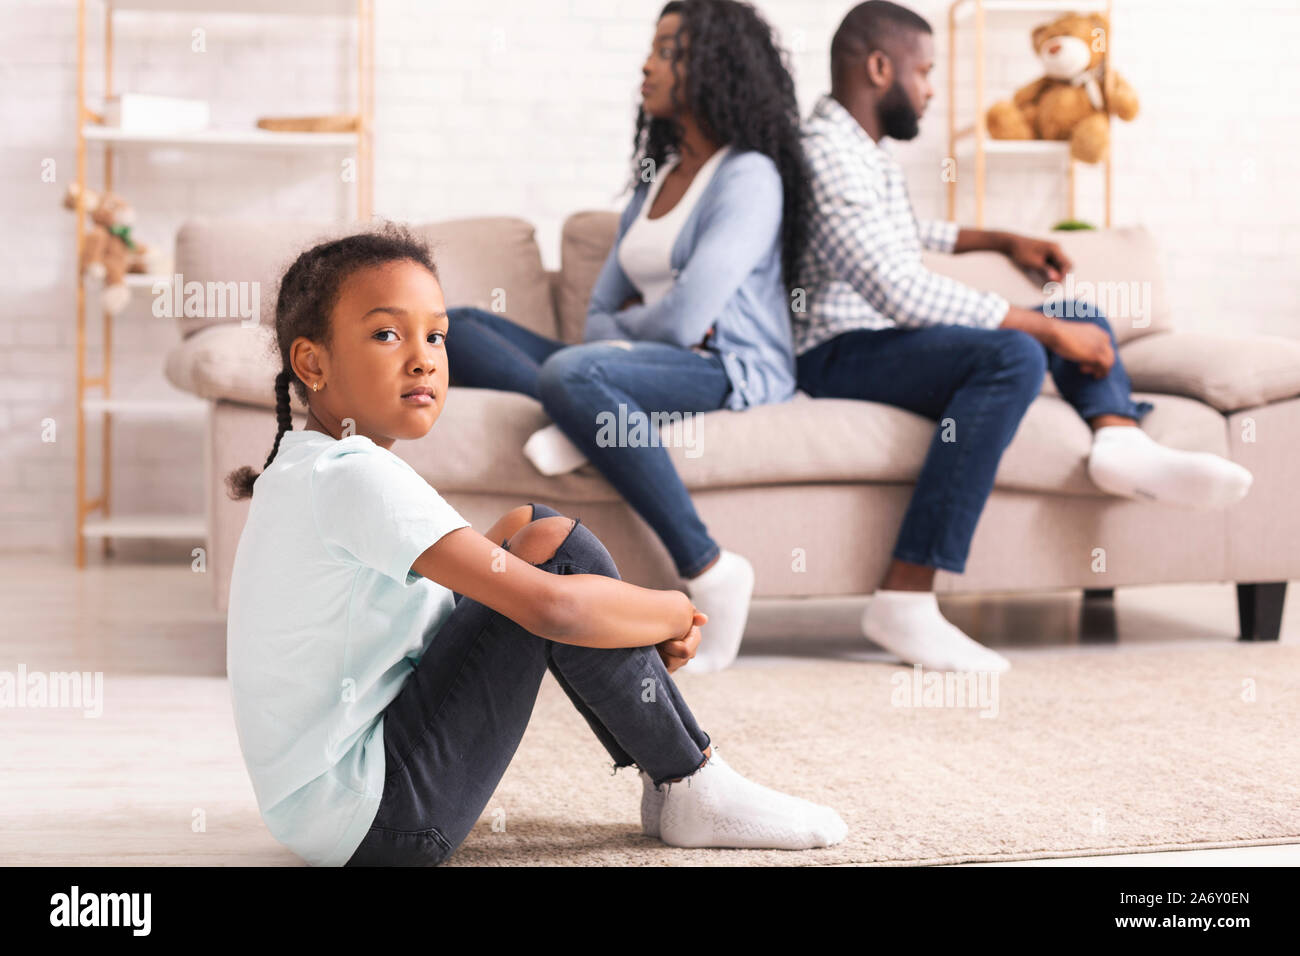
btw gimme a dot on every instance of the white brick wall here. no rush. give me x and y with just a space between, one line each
525 108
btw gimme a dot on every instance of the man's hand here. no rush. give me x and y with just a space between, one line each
1080 342
679 650
1084 343
1037 255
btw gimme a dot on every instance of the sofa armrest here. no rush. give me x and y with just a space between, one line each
229 362
1225 371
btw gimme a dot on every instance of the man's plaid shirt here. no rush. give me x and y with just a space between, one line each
862 267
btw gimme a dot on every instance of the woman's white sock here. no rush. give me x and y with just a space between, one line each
910 624
1126 461
722 592
717 807
551 452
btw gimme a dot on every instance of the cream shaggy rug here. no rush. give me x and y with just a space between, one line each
1087 753
1090 751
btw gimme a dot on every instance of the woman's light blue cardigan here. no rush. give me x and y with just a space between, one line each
726 263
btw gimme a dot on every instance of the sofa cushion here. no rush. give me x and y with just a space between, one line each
229 250
1226 371
494 264
477 443
1116 269
489 262
477 446
228 362
585 242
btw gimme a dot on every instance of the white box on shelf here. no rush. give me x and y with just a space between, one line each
145 112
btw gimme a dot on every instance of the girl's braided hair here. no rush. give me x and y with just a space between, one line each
308 292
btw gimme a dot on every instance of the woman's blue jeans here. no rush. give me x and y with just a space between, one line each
977 384
587 388
454 727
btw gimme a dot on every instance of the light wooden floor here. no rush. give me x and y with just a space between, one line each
151 630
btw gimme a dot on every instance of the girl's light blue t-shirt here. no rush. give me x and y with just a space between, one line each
326 621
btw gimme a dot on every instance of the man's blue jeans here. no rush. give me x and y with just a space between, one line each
454 727
977 384
576 383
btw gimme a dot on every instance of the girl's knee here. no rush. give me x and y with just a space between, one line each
589 553
510 522
582 549
537 541
518 517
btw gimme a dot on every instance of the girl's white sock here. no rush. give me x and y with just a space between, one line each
551 452
1126 461
723 593
652 804
717 807
910 624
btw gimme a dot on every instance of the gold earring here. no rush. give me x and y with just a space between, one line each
315 386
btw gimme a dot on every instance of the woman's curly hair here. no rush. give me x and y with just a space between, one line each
739 90
308 292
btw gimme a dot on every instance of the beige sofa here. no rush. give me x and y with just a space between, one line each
812 491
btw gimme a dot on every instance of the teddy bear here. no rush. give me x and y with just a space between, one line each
108 252
1069 102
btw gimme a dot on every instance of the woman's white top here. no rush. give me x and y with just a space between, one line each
646 250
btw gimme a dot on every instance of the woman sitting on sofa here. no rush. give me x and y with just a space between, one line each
690 311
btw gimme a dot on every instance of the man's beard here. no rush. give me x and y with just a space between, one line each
898 120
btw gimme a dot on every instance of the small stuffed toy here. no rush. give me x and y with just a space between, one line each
108 251
1068 103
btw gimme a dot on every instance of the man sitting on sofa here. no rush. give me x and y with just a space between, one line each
880 327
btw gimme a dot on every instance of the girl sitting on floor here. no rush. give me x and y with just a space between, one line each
384 657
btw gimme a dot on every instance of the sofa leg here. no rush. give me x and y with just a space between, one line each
1259 610
1097 623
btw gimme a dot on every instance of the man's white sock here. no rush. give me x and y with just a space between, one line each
722 592
1126 461
551 452
910 624
716 806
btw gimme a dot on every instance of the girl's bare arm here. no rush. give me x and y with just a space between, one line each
591 610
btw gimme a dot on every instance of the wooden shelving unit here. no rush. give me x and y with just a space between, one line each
90 134
972 141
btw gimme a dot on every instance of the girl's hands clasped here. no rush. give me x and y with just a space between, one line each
679 650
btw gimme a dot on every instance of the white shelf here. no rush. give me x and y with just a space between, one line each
967 10
328 145
133 280
248 138
148 408
1016 147
145 280
147 526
